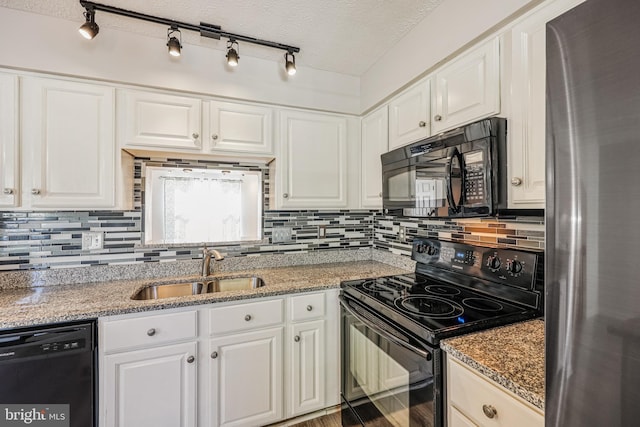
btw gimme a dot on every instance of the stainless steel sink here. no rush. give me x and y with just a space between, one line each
224 284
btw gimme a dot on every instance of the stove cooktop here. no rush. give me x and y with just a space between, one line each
479 297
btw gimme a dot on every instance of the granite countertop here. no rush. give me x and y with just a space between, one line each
50 304
512 356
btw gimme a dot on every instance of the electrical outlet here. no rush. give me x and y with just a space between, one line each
322 231
281 235
402 233
92 240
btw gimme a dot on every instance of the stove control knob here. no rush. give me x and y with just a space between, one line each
431 250
493 262
514 266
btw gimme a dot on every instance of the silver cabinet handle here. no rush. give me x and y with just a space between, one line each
191 359
35 191
516 181
214 137
489 411
214 355
285 195
8 191
195 135
437 118
247 317
422 124
151 332
309 307
296 338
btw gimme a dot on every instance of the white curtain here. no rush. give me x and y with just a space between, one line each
202 209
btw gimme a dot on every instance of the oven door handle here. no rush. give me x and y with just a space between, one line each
422 352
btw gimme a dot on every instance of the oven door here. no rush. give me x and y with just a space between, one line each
388 378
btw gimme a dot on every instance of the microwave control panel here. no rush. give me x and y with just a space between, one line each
475 186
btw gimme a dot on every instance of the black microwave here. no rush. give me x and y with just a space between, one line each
460 173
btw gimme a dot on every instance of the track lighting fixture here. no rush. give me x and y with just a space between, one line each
173 43
89 29
174 36
232 54
290 65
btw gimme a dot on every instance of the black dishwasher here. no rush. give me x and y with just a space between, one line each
52 365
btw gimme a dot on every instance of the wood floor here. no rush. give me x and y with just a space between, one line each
331 420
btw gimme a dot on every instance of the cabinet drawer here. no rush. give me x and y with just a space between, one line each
306 307
245 316
149 330
468 392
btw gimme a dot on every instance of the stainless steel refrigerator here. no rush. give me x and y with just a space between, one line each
593 216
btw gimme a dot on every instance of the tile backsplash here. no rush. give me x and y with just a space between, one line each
39 240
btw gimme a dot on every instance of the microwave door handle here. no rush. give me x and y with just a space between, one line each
449 170
423 353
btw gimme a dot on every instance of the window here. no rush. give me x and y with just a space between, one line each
202 205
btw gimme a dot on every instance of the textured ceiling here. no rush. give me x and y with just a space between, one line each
344 36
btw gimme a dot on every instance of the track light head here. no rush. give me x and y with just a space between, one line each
232 54
290 64
89 29
174 43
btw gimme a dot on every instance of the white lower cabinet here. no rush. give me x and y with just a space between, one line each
246 378
153 387
475 400
230 364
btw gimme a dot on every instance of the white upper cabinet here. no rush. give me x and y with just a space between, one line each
161 121
9 149
409 115
240 128
375 142
467 88
68 144
528 110
312 162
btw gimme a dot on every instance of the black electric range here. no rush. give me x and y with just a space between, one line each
395 324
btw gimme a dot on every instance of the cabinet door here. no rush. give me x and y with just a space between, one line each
240 128
246 379
375 141
68 144
307 377
313 160
9 167
457 419
409 115
153 387
528 97
156 120
468 88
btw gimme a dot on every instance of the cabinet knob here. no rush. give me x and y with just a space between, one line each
516 181
489 411
437 118
285 195
309 307
380 194
247 317
191 359
422 124
296 338
214 137
214 355
195 135
35 191
151 332
8 191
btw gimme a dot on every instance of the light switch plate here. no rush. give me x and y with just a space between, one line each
92 240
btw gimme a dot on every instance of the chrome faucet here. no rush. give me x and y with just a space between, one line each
206 260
